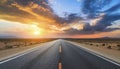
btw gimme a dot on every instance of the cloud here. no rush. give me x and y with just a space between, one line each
94 6
95 20
19 30
95 25
113 34
27 11
94 17
78 0
115 24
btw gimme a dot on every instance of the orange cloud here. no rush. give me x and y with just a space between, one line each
94 22
115 33
29 14
41 15
30 11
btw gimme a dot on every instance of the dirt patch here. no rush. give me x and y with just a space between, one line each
8 52
109 53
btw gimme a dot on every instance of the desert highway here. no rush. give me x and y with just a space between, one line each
58 54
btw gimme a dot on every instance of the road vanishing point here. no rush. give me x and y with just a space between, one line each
58 54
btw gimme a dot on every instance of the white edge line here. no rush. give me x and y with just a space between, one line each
21 54
98 55
18 55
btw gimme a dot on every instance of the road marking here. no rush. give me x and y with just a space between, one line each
100 56
12 58
60 49
19 55
96 54
60 66
22 53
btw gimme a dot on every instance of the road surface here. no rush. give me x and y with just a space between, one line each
58 54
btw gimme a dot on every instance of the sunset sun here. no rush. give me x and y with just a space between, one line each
36 32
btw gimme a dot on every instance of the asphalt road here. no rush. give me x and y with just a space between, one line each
58 54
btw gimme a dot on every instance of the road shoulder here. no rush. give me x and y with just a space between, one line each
8 53
110 54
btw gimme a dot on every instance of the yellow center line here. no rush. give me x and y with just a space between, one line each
60 66
60 49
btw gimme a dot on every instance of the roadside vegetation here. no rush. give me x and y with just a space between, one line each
113 44
16 43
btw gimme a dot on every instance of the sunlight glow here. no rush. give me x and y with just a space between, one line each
36 30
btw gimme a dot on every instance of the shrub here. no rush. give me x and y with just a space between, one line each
97 45
18 45
91 44
119 49
103 44
8 46
118 45
31 43
109 47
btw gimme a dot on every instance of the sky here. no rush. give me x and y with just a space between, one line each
59 18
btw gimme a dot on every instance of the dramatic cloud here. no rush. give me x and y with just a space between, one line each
77 17
95 17
27 11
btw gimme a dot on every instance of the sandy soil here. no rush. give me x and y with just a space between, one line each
2 45
108 53
9 52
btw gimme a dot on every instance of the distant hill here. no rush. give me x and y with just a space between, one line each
106 37
7 36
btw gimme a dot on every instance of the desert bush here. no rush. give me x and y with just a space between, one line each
109 47
118 45
18 45
14 46
31 43
97 45
5 42
8 46
119 49
91 44
103 44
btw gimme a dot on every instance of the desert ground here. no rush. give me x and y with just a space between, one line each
113 44
10 47
16 43
109 48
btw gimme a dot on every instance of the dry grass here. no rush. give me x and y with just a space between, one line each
109 48
104 43
16 43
